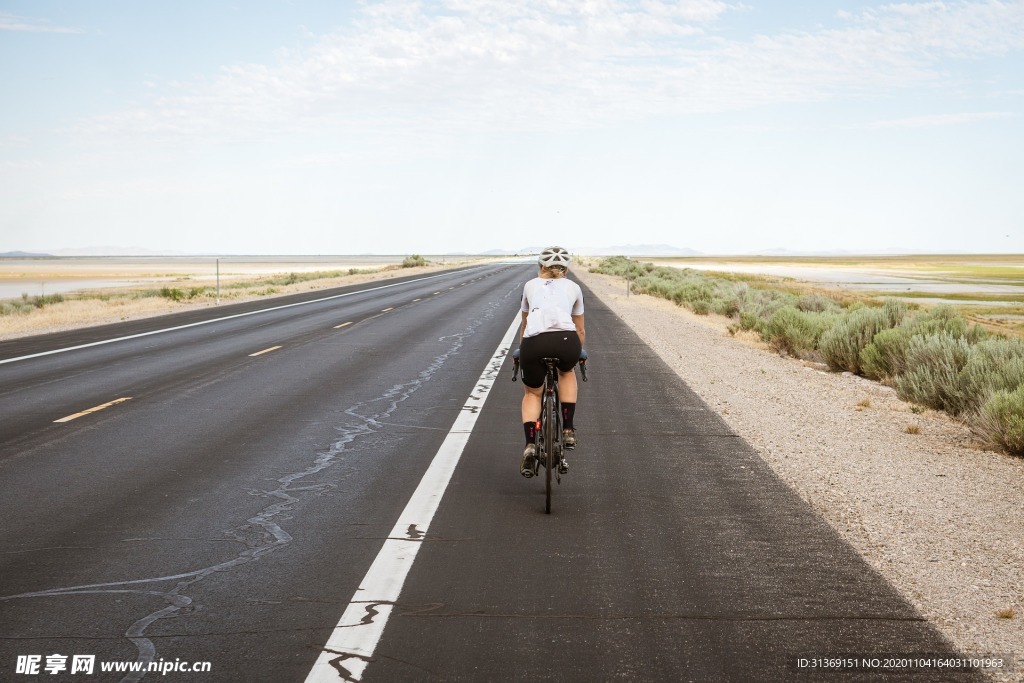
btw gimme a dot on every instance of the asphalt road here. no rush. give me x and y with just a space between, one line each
229 507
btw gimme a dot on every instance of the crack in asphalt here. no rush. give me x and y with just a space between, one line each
260 533
110 546
346 675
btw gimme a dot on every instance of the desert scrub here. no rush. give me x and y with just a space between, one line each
1001 420
172 293
842 345
682 287
43 300
947 365
175 294
931 378
15 308
796 332
945 319
994 364
816 303
413 261
729 308
618 265
886 355
27 303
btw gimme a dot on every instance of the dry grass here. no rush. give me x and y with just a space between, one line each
863 403
1008 613
913 429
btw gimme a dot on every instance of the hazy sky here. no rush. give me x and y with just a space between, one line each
317 127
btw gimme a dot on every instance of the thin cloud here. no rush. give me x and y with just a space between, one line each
12 22
938 120
562 64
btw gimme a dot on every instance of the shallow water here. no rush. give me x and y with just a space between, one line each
14 289
863 279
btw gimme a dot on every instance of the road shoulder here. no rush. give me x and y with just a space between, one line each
937 516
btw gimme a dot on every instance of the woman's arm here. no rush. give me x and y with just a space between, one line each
578 321
522 328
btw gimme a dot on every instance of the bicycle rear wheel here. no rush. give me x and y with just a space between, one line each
550 423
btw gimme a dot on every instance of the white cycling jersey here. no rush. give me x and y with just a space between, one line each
550 305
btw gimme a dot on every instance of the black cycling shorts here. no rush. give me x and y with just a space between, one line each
565 346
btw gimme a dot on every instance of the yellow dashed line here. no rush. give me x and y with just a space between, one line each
260 353
69 418
342 325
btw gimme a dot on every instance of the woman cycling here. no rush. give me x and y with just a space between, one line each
552 327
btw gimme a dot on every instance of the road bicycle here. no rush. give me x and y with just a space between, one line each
550 452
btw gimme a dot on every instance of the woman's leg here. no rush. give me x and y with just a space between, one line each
531 404
567 389
531 414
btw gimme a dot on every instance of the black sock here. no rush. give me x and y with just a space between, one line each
530 428
568 411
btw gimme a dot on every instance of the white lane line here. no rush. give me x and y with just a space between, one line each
338 327
260 353
69 418
217 320
385 310
354 639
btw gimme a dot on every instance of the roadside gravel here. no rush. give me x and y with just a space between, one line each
935 514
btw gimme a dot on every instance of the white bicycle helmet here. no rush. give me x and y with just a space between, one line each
554 256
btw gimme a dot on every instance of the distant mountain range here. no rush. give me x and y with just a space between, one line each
93 251
23 254
619 250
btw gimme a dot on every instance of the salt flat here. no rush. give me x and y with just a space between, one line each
38 276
